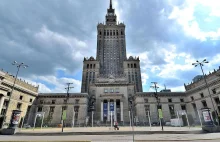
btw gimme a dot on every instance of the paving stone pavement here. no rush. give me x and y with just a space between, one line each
108 129
212 137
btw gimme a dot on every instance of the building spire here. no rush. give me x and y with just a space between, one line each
110 7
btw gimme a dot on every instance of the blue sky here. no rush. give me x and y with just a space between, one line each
53 37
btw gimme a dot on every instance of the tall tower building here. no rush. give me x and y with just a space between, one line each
111 57
111 78
111 47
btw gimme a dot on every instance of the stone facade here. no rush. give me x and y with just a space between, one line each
198 97
53 104
145 105
22 98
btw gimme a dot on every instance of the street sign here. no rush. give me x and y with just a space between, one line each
64 115
111 107
160 113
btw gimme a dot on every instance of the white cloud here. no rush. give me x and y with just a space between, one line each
171 69
144 78
47 36
178 89
184 15
58 83
44 89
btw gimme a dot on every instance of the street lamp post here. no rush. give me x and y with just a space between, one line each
202 64
18 66
158 103
132 115
66 102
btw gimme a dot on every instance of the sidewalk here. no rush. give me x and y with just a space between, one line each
214 137
110 131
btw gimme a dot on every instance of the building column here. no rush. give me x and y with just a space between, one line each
115 117
101 110
121 105
108 119
1 103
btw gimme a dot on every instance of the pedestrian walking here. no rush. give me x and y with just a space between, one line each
116 125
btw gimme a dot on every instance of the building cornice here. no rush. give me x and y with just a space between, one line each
113 84
112 95
17 87
4 88
160 94
63 95
201 87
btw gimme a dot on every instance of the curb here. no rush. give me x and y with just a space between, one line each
47 141
107 133
177 140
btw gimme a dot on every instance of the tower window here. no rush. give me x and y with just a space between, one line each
170 100
87 66
100 33
9 93
53 101
105 90
21 97
202 95
131 65
146 100
135 66
121 32
90 66
18 106
39 109
41 101
217 100
128 65
204 103
183 107
214 91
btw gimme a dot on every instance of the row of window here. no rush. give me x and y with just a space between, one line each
20 97
40 108
111 32
111 90
217 101
204 103
64 101
169 100
171 109
202 95
132 65
111 37
90 66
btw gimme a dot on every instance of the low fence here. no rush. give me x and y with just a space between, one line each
138 118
